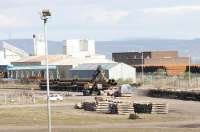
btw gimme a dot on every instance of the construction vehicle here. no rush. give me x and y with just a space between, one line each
99 83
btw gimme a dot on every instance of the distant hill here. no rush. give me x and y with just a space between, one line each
185 47
54 47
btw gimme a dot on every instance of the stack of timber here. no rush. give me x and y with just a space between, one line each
126 95
99 98
122 99
159 108
103 98
113 108
103 107
125 108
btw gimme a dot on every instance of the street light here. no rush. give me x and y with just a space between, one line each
45 14
142 67
189 68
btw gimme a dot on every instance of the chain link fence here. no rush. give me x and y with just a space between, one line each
170 82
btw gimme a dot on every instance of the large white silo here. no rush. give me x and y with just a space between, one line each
39 45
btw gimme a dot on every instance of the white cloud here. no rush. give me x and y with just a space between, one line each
107 16
174 10
7 21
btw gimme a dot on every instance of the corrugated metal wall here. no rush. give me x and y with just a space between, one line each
83 74
131 58
167 61
164 54
63 71
122 71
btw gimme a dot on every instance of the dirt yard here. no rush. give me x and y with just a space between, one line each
184 116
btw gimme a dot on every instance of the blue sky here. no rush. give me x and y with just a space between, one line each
102 19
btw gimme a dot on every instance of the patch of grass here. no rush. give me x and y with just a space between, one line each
19 86
129 130
165 117
38 116
115 130
64 116
43 101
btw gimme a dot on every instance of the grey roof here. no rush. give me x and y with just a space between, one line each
93 66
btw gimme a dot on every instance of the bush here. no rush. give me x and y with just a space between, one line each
186 75
133 116
160 72
122 81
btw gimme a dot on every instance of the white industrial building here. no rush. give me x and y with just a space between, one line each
113 71
79 59
76 52
9 53
3 60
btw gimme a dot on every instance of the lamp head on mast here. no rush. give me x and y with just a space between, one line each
45 14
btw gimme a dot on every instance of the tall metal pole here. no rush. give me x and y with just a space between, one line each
189 70
44 17
47 77
142 67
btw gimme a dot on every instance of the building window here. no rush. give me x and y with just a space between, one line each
83 45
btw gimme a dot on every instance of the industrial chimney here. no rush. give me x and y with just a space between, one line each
34 45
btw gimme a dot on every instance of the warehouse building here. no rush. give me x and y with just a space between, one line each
113 71
33 67
59 65
32 72
150 58
154 60
76 52
9 53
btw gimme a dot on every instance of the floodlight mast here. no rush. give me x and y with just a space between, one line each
45 14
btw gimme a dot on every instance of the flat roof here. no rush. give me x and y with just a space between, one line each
15 68
51 58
